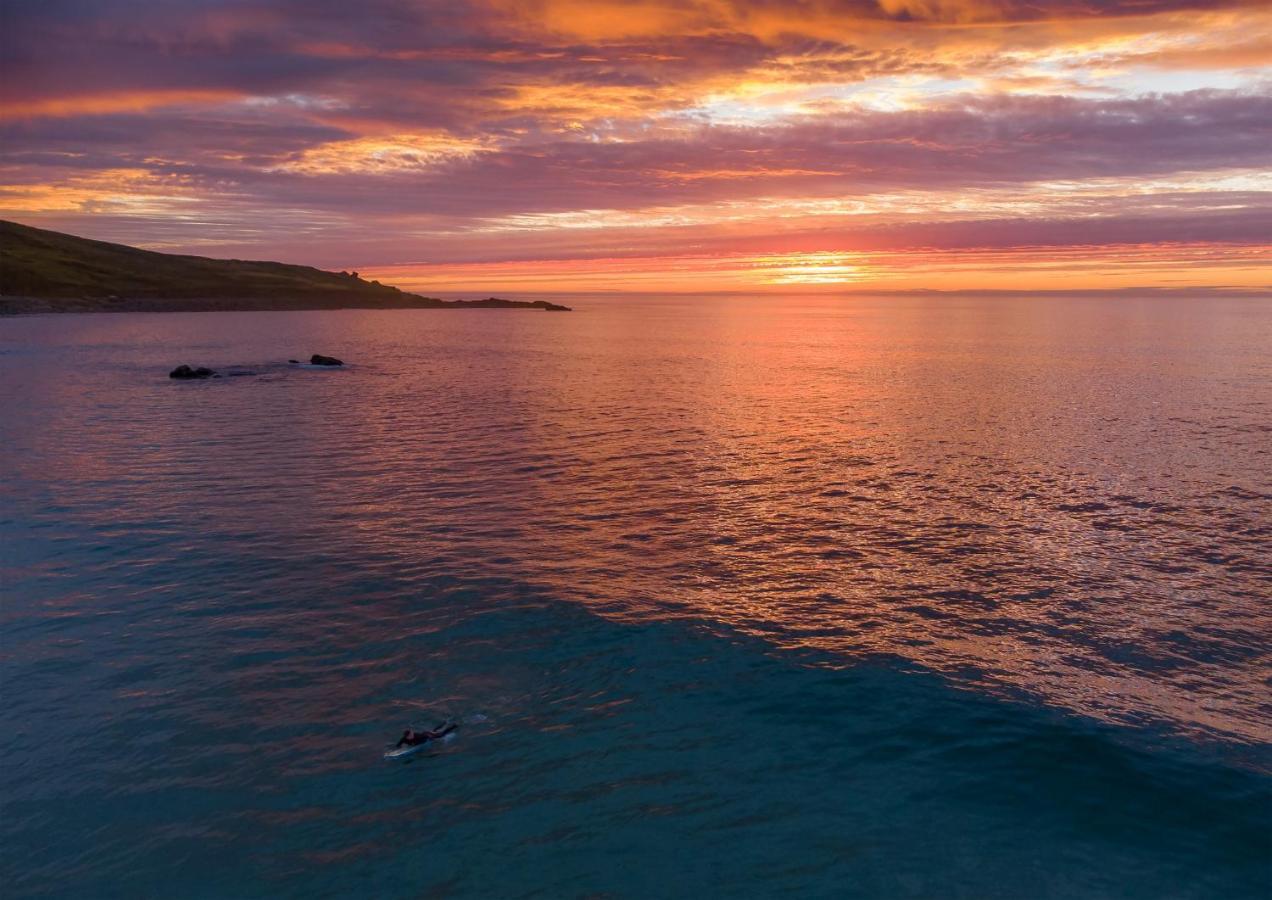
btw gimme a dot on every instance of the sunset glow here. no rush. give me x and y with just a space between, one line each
714 145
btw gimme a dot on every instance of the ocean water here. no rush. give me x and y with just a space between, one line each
913 598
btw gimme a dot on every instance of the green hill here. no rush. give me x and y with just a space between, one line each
47 271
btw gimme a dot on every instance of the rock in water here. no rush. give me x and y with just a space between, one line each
319 360
187 372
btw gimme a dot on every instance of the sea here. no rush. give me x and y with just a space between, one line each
753 596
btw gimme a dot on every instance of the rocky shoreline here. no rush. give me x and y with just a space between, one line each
44 305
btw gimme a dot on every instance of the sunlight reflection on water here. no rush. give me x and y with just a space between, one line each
1067 497
1062 504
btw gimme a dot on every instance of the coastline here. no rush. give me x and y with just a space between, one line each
14 306
45 271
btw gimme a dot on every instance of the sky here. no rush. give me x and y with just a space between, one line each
532 146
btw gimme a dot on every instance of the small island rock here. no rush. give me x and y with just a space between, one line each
187 372
319 360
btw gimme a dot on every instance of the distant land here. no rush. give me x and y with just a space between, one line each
47 271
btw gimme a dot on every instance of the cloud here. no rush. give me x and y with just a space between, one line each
631 123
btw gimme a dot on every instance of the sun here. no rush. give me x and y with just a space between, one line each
822 267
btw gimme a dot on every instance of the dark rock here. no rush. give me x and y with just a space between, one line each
187 372
500 303
319 360
294 362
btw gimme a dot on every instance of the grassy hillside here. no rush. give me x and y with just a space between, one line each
50 266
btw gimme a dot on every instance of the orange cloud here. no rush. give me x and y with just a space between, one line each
134 191
392 153
118 102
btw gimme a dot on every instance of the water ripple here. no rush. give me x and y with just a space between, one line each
988 545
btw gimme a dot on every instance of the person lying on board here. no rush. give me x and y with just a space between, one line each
412 738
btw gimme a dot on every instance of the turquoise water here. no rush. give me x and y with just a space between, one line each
918 598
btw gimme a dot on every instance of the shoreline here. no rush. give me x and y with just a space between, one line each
19 306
